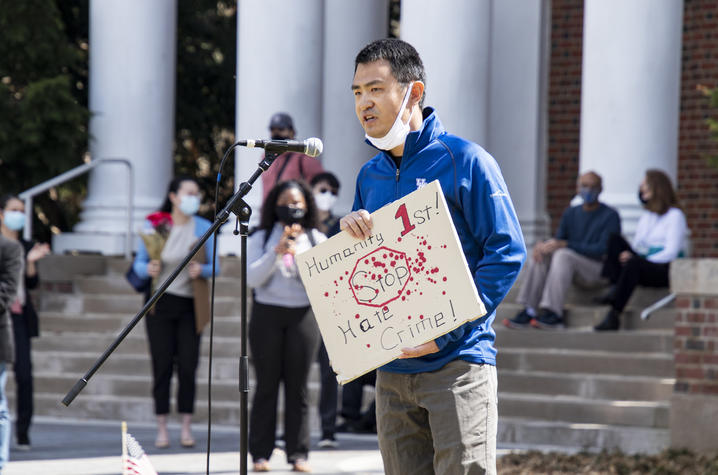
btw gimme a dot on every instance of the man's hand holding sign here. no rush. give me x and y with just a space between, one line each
390 284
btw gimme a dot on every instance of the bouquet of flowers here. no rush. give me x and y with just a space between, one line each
155 235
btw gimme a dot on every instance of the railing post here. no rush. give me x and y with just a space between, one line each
27 231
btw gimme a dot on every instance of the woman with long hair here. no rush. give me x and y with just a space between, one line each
660 238
25 323
283 335
172 328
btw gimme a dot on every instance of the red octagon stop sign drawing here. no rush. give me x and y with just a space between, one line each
380 277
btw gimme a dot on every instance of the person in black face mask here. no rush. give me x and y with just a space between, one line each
283 335
289 165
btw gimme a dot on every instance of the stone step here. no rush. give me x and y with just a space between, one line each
658 341
588 437
562 361
129 304
585 411
135 342
77 364
113 323
589 386
587 316
56 386
117 284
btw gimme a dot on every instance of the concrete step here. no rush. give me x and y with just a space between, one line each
587 316
56 386
117 284
562 361
141 409
135 342
589 437
573 409
113 323
589 386
123 364
129 304
658 341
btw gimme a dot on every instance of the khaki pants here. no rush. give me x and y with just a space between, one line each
441 422
547 281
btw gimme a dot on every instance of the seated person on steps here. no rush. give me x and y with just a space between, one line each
660 238
575 252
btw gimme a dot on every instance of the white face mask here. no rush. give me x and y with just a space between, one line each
325 200
189 204
398 132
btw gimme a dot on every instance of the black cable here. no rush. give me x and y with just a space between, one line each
211 307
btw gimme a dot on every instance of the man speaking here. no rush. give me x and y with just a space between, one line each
437 403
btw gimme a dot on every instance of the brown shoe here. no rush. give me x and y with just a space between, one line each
261 465
301 465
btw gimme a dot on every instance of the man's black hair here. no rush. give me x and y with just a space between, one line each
329 177
405 62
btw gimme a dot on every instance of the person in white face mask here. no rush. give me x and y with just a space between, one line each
175 324
325 188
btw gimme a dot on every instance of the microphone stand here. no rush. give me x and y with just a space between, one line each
243 211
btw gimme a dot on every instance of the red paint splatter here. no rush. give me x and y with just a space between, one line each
403 297
428 247
408 292
398 239
443 292
421 317
356 316
368 345
386 309
409 317
366 261
341 277
392 263
326 294
444 279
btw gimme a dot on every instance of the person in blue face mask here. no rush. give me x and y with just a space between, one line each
175 324
24 318
575 253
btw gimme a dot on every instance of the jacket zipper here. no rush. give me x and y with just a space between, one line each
396 191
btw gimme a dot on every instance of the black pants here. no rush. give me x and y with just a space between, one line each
352 395
636 271
173 339
284 344
23 376
328 394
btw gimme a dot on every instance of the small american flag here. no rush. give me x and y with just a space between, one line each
134 459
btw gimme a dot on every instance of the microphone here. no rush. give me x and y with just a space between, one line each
312 146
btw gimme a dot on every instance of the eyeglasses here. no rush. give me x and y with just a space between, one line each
325 189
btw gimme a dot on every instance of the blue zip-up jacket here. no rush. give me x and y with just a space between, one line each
201 226
482 213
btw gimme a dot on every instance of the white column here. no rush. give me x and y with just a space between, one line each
453 39
131 99
279 68
630 95
517 106
348 27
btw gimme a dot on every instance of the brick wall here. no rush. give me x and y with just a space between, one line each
697 180
696 344
564 109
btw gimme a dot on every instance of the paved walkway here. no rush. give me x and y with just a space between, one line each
82 448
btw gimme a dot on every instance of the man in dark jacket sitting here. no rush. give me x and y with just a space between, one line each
575 253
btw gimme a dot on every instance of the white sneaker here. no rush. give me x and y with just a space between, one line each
328 443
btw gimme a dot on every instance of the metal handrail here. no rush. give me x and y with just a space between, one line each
28 194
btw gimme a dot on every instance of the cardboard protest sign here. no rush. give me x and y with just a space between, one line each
404 285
